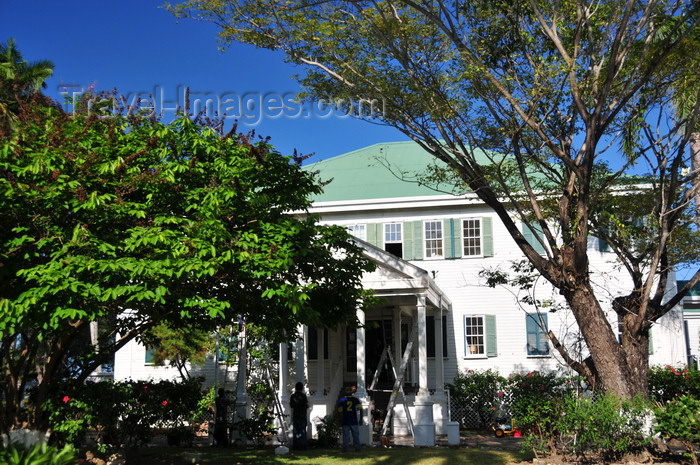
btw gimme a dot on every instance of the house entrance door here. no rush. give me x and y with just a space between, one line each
379 335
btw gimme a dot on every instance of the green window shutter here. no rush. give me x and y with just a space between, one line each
408 239
491 346
418 242
531 235
487 235
413 240
375 234
453 245
537 343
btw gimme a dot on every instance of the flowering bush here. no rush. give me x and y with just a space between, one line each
123 412
668 383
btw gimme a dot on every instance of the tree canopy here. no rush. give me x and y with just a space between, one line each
134 223
558 87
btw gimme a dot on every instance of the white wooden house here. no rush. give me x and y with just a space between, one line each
429 248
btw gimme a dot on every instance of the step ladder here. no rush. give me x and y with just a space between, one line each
398 383
278 411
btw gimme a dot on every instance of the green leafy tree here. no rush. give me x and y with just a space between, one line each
132 223
180 347
536 92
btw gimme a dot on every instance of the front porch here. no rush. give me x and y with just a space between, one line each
412 308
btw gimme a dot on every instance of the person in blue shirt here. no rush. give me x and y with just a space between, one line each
350 410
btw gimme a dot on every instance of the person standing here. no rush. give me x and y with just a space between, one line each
299 403
221 419
350 410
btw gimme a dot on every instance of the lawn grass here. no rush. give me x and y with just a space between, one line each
368 456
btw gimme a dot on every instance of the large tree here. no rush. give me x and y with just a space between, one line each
539 90
135 223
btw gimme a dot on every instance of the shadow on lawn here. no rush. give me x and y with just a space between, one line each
368 456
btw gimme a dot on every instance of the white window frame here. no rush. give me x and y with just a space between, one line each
437 242
475 349
358 230
472 237
397 228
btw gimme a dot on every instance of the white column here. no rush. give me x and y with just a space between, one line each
241 405
283 375
422 348
424 426
440 407
440 381
320 363
360 341
361 393
300 361
398 342
242 375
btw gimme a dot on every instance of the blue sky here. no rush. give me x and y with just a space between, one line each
137 47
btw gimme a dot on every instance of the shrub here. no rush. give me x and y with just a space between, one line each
482 391
603 425
328 431
680 419
539 421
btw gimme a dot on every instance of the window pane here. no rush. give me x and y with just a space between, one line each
433 239
358 230
392 232
474 335
471 234
150 355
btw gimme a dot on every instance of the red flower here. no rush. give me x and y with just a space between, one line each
165 402
500 394
65 399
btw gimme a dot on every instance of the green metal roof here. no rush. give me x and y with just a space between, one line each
375 172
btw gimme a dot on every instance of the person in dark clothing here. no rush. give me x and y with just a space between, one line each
221 419
299 403
350 410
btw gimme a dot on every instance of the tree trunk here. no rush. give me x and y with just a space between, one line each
610 362
695 158
636 350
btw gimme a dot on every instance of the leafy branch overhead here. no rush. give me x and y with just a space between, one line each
545 111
